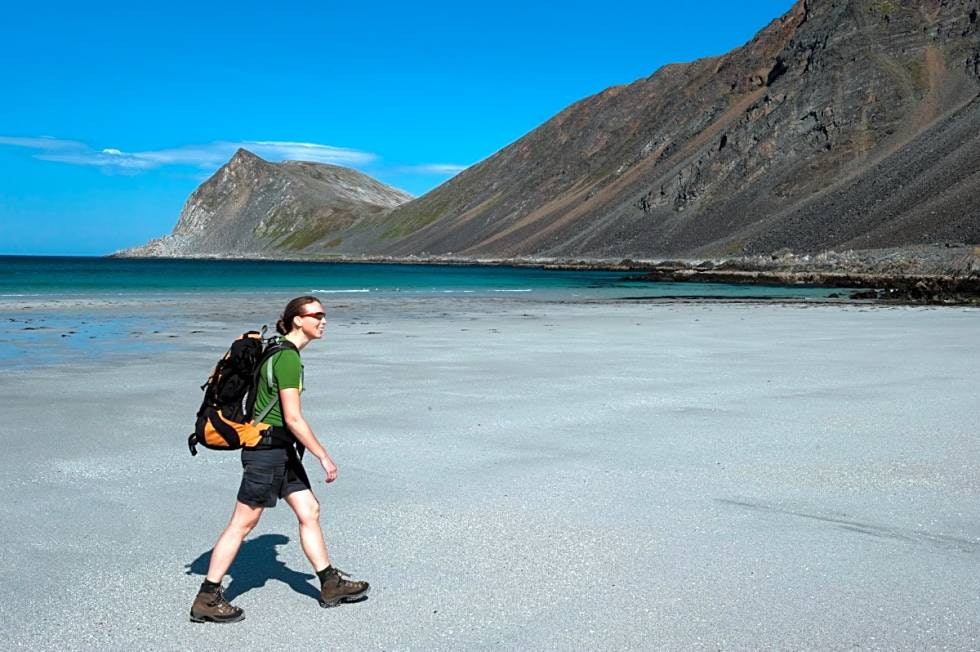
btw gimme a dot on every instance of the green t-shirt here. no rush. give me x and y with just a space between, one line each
287 372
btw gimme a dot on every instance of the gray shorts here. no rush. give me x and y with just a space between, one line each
269 475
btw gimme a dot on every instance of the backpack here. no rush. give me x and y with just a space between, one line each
224 420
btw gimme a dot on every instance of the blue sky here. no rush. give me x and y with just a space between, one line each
112 113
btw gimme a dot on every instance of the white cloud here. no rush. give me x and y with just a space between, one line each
41 142
436 168
308 152
109 159
208 156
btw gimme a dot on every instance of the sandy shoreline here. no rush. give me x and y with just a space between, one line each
521 475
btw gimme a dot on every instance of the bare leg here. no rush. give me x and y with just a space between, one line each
307 509
243 519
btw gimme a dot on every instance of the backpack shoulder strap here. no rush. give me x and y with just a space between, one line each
281 345
268 408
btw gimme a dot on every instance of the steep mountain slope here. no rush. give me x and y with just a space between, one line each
844 123
252 206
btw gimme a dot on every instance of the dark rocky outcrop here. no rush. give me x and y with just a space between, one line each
938 274
251 206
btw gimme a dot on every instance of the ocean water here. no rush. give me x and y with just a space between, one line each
35 276
60 310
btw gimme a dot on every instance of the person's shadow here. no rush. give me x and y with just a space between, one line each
256 563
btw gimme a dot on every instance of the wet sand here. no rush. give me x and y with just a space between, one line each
513 475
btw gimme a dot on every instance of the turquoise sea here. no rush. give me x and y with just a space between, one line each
56 310
36 276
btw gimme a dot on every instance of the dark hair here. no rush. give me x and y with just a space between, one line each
293 309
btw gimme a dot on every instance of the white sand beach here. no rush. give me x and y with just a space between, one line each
513 475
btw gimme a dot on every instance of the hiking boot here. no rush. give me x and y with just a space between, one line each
338 590
212 607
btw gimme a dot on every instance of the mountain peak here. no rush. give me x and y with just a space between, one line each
243 157
251 206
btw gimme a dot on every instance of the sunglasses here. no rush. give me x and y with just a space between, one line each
319 316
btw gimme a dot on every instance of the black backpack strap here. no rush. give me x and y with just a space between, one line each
294 449
299 448
295 455
281 345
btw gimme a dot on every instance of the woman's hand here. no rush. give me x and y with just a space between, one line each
329 468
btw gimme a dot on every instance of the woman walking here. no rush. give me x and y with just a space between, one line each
273 470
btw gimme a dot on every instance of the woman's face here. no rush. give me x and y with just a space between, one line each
313 319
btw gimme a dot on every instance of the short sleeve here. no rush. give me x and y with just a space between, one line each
288 370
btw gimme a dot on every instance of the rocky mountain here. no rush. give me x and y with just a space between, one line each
843 124
251 206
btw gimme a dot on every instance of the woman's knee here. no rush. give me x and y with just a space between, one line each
310 514
306 506
244 521
245 528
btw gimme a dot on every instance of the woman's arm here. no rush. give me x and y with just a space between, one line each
292 416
